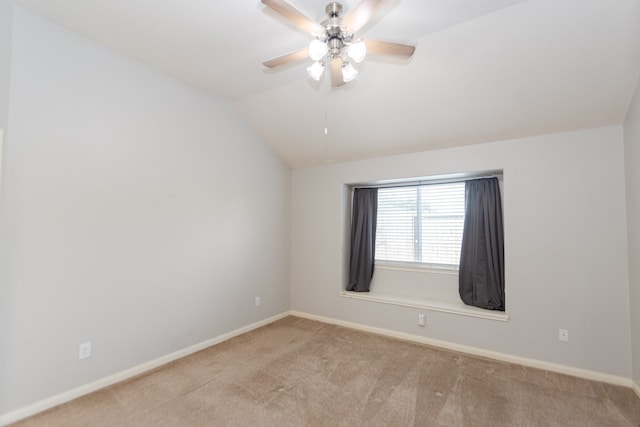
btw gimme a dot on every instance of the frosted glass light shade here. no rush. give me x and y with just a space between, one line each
317 50
348 72
316 70
357 51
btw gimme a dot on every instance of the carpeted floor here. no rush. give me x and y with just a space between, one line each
298 372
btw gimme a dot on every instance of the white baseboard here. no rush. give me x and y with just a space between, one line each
636 388
77 392
533 363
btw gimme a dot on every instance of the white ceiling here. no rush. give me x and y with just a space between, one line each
483 70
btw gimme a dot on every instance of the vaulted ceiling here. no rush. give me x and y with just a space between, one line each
483 70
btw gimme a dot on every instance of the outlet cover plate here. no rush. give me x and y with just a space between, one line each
84 350
422 319
563 335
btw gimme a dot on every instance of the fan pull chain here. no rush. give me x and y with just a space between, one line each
326 101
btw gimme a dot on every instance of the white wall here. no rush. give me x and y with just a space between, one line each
565 243
632 170
138 214
6 16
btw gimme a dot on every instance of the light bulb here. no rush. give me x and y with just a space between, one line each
357 51
316 70
348 72
317 50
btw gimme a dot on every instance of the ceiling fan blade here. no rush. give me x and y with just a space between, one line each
362 13
296 17
285 59
335 66
387 48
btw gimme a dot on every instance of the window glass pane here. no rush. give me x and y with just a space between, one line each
397 212
442 220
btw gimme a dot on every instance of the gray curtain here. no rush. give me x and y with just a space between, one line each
481 276
363 238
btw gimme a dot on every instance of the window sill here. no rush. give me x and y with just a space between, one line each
408 267
428 304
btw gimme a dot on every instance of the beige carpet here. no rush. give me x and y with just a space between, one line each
297 372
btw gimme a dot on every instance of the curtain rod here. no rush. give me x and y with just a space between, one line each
426 181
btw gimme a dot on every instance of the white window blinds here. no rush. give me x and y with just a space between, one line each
421 224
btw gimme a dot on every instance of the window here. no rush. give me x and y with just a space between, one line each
420 225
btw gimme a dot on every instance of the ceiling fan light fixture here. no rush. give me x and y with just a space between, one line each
348 72
315 71
357 51
336 43
317 49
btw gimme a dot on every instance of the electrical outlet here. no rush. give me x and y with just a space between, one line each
563 335
258 301
422 319
84 350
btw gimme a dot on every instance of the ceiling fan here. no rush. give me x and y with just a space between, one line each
335 40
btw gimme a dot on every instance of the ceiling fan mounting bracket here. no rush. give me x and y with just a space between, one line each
333 9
